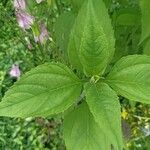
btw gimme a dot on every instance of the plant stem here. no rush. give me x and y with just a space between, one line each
58 6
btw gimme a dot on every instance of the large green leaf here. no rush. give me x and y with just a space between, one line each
46 90
81 132
145 8
130 77
104 105
128 17
91 44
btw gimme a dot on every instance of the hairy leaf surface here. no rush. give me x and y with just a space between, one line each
104 105
130 77
46 90
91 44
81 132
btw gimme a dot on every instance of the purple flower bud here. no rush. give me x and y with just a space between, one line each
39 1
44 34
20 4
24 19
15 71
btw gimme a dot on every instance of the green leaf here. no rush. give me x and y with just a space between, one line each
63 27
81 132
128 17
91 44
130 77
104 105
145 8
45 90
77 4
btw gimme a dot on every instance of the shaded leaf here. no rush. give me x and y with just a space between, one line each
146 47
77 4
63 27
128 17
145 8
81 132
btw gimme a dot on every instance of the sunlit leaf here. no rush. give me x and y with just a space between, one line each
91 44
104 105
130 77
46 90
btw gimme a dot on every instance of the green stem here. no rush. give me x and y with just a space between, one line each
58 6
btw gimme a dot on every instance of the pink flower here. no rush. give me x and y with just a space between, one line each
20 4
44 34
39 1
24 19
15 71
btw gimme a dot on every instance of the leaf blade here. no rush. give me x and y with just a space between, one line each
130 78
82 132
145 8
92 35
104 105
46 90
63 27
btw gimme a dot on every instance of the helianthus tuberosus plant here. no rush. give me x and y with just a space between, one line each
92 121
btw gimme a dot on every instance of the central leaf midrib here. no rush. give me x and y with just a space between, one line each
36 95
109 123
48 73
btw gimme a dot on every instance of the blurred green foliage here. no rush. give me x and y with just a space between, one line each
30 133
